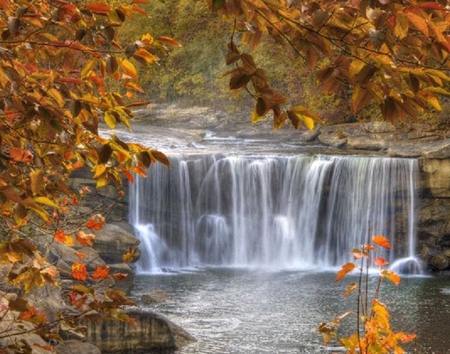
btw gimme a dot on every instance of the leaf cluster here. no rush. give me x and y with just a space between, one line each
373 330
56 58
57 61
393 54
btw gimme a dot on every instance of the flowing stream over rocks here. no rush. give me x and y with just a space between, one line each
275 212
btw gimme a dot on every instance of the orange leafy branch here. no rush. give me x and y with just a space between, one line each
373 333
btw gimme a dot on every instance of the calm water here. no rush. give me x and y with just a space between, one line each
249 311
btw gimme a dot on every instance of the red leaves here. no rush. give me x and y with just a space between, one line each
96 222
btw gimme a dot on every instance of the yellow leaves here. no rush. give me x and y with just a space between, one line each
36 181
300 114
88 67
99 170
145 56
373 333
110 119
46 201
418 18
129 68
129 256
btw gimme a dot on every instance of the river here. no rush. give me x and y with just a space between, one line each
237 311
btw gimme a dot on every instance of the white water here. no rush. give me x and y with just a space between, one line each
292 212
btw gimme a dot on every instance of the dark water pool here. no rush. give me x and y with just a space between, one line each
252 311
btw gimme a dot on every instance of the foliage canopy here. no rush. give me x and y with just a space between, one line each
391 53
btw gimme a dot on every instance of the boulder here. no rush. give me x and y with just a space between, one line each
151 332
66 255
155 297
112 242
125 284
439 262
76 347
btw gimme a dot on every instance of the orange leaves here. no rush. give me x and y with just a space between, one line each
21 155
380 262
100 8
100 273
373 333
381 241
346 268
96 222
393 277
79 271
85 239
61 237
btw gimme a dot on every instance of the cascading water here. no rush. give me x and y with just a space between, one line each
277 212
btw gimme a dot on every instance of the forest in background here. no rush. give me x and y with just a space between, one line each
193 73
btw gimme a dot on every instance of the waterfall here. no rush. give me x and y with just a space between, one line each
272 211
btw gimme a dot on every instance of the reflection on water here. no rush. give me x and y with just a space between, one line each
245 311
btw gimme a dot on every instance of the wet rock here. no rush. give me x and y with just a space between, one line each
437 176
76 347
155 297
112 242
151 332
125 284
439 262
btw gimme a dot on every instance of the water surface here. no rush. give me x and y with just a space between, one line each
255 311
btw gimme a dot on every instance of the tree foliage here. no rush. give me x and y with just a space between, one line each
393 54
373 334
59 61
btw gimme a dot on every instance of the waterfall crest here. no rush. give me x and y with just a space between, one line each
277 212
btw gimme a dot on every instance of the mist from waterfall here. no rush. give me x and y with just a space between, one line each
277 212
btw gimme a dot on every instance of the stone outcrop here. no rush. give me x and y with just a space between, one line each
112 242
155 297
151 332
76 347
